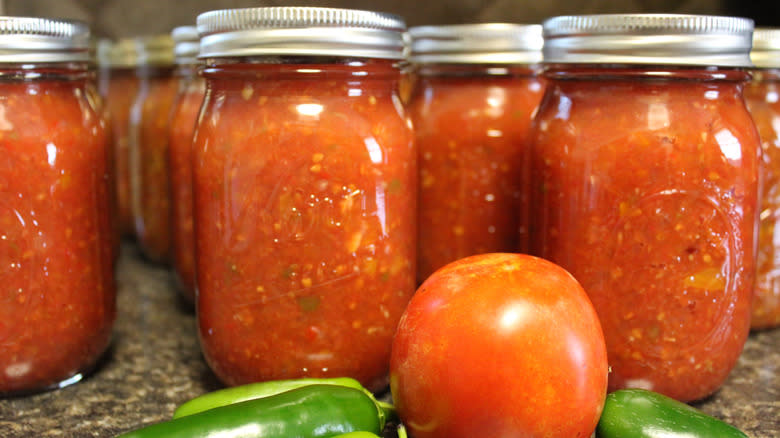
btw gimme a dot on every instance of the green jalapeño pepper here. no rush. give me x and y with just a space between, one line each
358 435
638 413
401 432
308 411
250 391
235 394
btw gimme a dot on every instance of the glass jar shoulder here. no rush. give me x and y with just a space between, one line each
359 117
484 96
610 115
43 116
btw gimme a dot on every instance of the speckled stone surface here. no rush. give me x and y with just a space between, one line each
155 364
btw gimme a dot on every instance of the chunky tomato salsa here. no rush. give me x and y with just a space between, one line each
471 129
149 163
57 298
304 198
646 190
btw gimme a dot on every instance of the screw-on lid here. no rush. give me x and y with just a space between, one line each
186 44
155 50
766 48
300 31
486 43
123 54
29 39
648 39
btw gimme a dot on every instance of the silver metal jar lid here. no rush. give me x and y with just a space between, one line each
485 43
155 50
648 39
766 48
186 44
34 40
300 31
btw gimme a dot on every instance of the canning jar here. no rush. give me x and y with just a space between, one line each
182 129
57 303
644 183
149 122
476 90
762 94
119 86
304 178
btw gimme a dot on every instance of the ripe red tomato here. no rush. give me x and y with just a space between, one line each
499 345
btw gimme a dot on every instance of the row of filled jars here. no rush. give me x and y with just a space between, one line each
301 197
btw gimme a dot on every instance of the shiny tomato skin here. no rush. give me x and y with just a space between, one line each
499 345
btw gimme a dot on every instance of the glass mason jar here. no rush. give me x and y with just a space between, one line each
304 179
476 91
119 86
149 123
182 129
763 99
644 183
57 304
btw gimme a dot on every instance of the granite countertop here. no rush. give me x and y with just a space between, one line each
155 364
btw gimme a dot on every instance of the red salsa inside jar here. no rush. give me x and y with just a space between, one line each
646 192
471 129
304 185
57 301
150 189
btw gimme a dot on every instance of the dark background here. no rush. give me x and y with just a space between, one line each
123 18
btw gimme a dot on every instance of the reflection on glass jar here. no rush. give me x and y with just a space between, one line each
644 184
304 192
